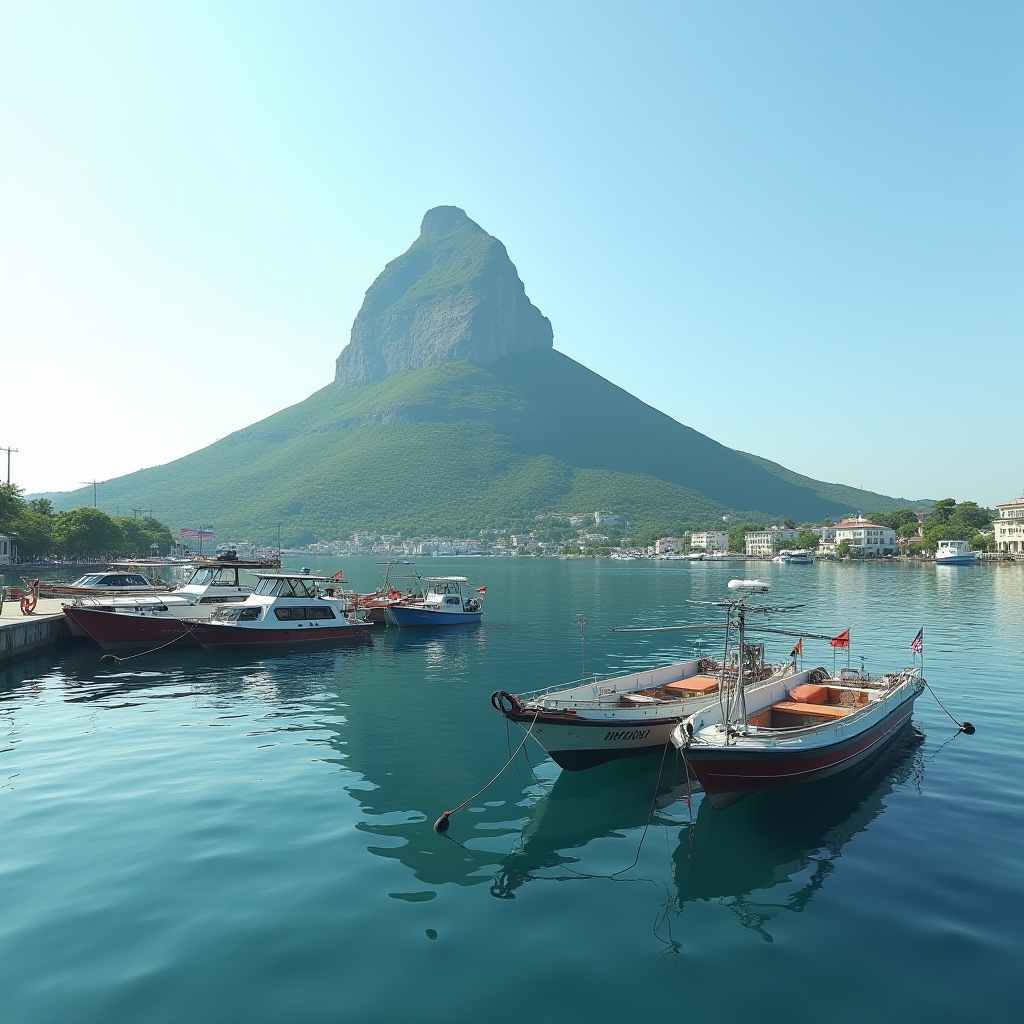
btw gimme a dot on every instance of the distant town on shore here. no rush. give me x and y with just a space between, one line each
31 532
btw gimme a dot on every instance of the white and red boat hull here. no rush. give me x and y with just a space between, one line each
118 631
727 774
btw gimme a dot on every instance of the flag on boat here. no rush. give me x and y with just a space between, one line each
338 577
917 646
481 590
798 649
843 640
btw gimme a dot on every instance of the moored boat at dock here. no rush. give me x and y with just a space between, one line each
286 610
442 604
120 622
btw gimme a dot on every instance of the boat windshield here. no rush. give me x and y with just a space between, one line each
201 577
88 580
276 587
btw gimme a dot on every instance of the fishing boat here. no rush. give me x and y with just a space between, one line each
442 604
585 723
805 726
286 610
956 552
388 595
148 620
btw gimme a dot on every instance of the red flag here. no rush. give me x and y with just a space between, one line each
798 649
843 640
337 576
481 590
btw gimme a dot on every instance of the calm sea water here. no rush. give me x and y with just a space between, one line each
192 837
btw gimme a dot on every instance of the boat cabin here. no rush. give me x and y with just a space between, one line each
113 581
289 598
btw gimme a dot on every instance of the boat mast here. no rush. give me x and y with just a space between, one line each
741 698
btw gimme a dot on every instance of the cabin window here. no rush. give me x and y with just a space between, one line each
200 578
306 612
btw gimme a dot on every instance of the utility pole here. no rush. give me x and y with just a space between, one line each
94 483
8 450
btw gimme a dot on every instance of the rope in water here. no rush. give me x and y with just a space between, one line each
965 726
441 825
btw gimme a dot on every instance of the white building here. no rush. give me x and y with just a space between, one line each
608 519
667 546
766 542
1009 527
709 540
6 549
867 538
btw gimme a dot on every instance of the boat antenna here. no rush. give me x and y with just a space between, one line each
581 619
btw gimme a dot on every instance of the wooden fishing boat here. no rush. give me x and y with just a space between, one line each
806 726
586 723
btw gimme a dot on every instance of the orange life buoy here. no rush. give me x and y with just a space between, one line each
28 603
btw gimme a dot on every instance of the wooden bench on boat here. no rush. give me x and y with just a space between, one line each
695 686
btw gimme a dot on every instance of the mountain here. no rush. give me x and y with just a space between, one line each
452 412
454 294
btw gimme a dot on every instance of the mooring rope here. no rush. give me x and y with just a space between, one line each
965 726
441 825
113 659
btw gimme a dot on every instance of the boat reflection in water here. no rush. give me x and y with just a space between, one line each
735 857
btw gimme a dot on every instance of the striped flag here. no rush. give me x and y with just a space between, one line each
917 645
798 649
482 590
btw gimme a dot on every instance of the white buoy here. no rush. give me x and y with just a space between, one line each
749 586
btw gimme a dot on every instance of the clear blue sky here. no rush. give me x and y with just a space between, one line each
797 227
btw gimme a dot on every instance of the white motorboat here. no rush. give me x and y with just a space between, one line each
586 723
956 552
794 556
286 610
146 618
442 604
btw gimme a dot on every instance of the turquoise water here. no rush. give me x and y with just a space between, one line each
204 838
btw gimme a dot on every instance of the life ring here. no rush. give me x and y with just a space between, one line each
28 603
498 699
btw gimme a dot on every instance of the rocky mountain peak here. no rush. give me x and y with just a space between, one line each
454 294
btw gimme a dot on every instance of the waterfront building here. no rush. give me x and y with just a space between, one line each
867 538
1009 527
709 540
6 549
667 546
761 543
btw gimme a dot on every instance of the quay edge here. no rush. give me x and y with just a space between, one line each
28 634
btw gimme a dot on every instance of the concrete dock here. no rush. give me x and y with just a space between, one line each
28 634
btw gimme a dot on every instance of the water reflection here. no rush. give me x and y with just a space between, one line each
773 853
765 856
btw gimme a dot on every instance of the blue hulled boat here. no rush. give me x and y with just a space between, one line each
442 605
